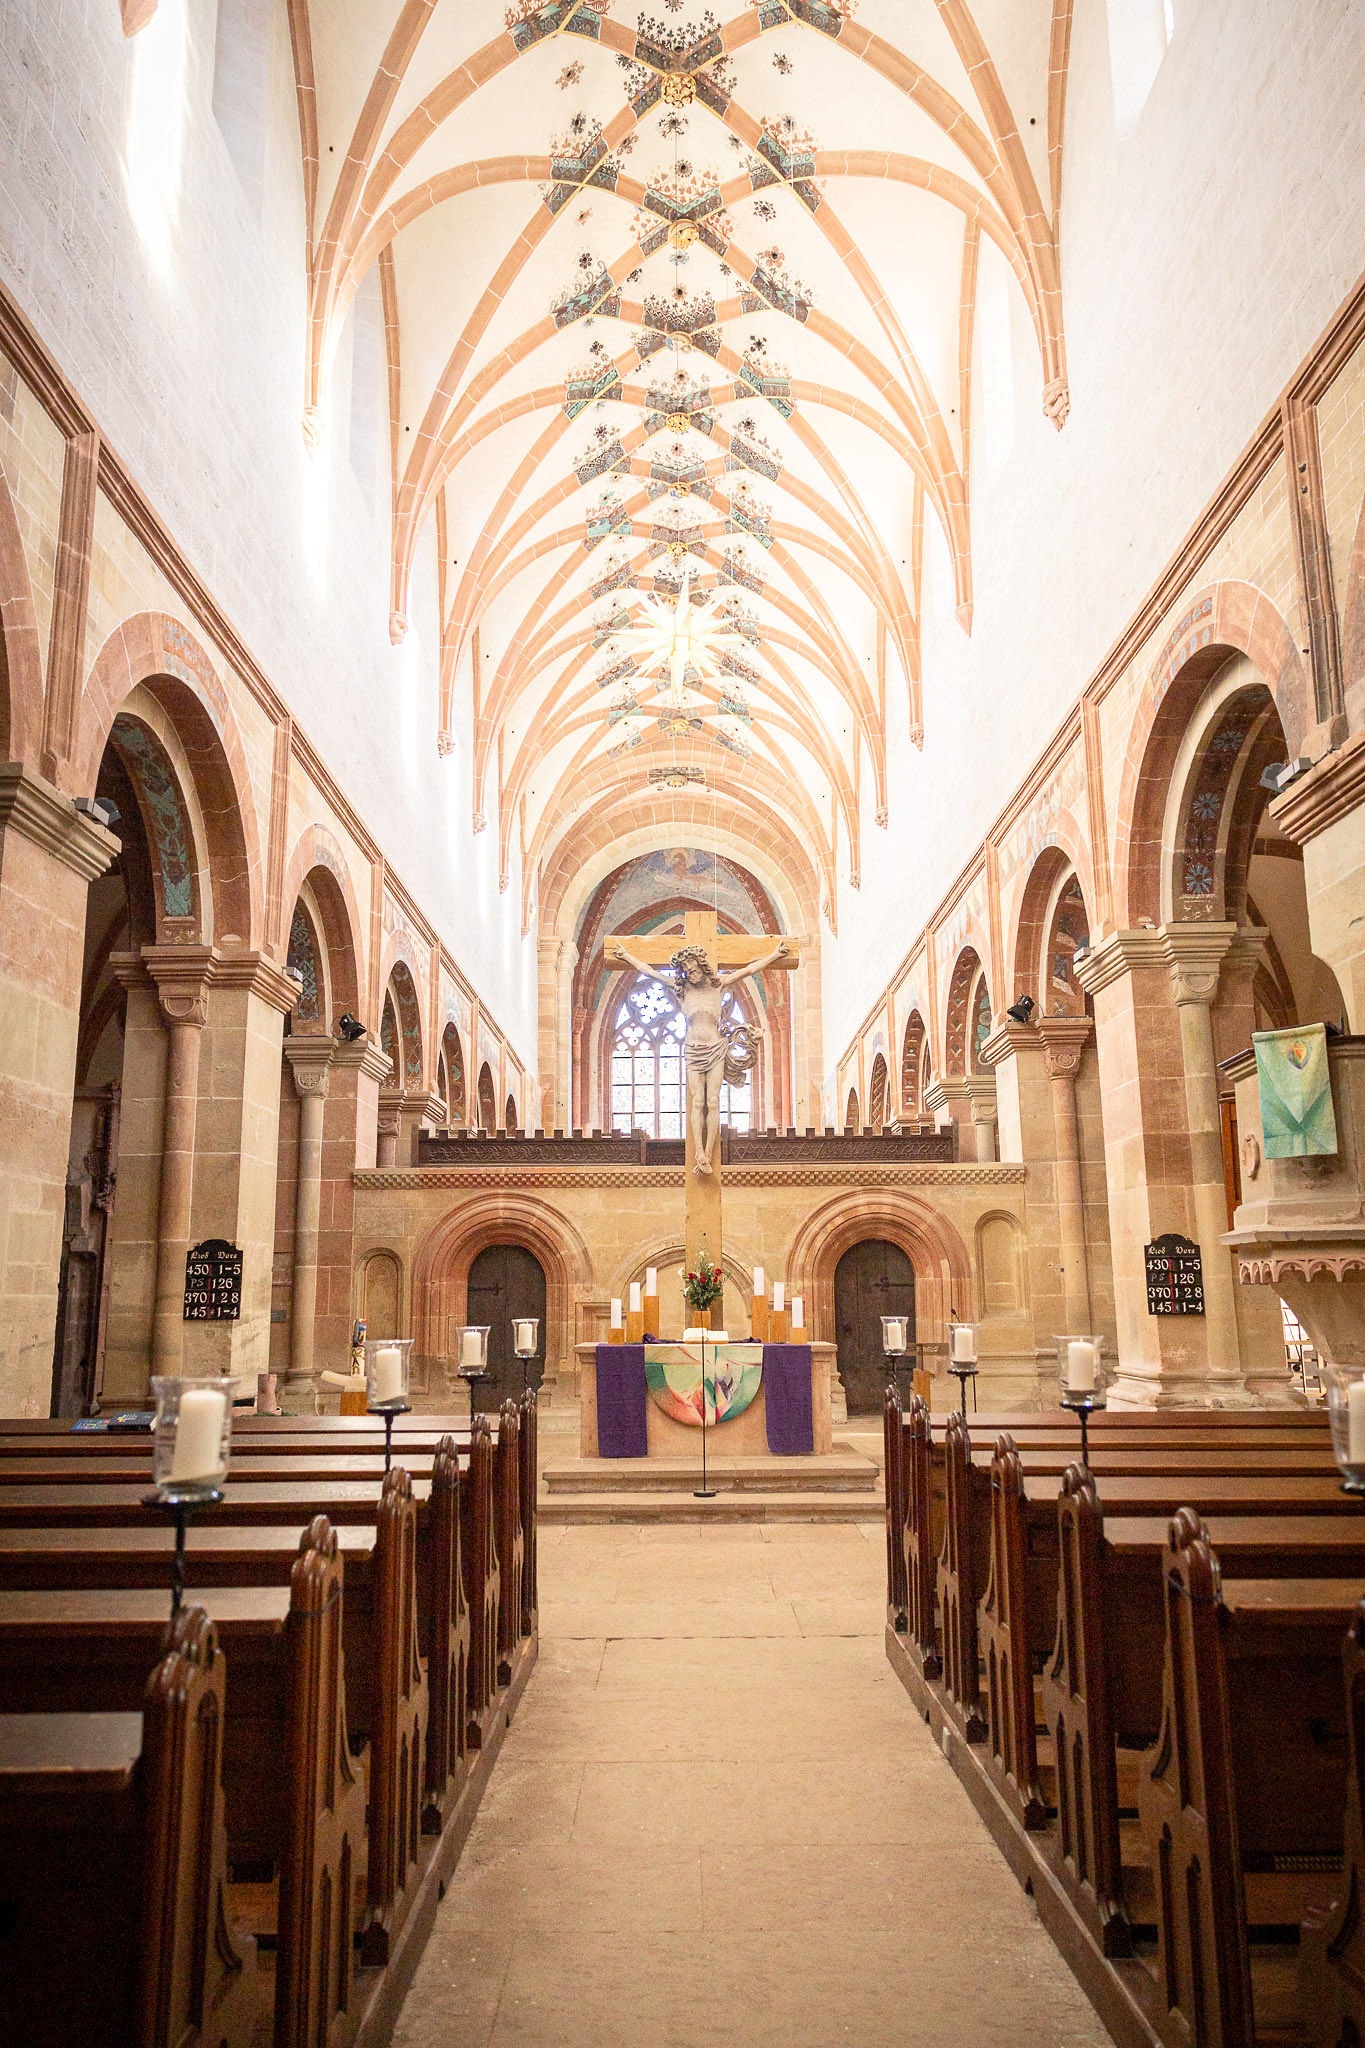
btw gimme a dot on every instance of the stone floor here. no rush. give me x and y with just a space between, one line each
718 1820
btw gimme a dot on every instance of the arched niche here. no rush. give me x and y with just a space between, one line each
968 1014
852 1120
401 1029
913 1049
379 1294
510 1119
488 1099
452 1060
1000 1265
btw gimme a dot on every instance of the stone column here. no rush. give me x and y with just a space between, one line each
49 855
1156 1070
310 1061
348 1142
981 1091
181 975
390 1104
1196 953
1064 1042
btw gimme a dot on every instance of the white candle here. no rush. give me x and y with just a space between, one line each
616 1321
1082 1362
964 1345
471 1350
760 1282
779 1296
798 1313
199 1435
387 1373
1355 1416
526 1336
895 1335
635 1297
651 1282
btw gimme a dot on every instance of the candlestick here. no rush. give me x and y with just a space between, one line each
1346 1413
1081 1374
197 1459
471 1349
964 1343
191 1441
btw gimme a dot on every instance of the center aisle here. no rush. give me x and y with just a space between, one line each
717 1819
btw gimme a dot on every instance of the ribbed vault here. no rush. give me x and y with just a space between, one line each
692 297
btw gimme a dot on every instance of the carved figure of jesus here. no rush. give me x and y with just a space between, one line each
709 1047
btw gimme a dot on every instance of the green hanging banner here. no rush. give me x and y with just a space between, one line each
1297 1119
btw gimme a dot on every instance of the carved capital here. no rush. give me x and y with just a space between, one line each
182 976
1007 1041
1064 1042
310 1061
1195 955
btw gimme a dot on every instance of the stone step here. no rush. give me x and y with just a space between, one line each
666 1509
842 1470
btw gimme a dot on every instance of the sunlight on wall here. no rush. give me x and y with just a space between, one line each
412 655
1139 32
316 502
996 361
156 122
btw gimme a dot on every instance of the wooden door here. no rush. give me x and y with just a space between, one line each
505 1281
872 1279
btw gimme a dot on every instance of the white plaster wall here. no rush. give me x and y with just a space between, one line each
192 362
1200 261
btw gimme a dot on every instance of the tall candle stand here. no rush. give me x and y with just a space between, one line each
704 1491
387 1368
962 1359
471 1358
191 1443
525 1344
1346 1414
1082 1382
894 1344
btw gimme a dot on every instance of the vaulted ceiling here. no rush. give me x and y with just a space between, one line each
688 296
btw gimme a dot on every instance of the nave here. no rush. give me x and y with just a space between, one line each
717 1818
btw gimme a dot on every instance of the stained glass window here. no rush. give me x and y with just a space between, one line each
648 1087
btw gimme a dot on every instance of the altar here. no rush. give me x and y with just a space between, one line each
761 1400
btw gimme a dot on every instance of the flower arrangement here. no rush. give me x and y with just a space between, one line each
704 1284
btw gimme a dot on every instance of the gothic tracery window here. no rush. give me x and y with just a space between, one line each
647 1080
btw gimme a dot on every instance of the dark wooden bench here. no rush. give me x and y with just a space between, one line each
114 1919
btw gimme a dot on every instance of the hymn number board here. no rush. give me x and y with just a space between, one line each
213 1282
1175 1276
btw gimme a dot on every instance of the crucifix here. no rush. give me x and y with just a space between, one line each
697 970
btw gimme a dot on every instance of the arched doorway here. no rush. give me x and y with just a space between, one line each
505 1281
873 1279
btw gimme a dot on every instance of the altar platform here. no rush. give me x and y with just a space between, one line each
839 1485
736 1436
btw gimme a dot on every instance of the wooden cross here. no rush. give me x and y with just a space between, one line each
700 928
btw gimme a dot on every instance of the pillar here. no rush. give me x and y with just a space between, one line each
981 1093
310 1061
949 1102
1064 1041
49 855
1163 1154
386 1125
180 976
350 1109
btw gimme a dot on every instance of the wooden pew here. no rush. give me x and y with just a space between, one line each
482 1584
530 1496
893 1467
958 1589
1244 1776
398 1733
1332 1942
114 1923
507 1495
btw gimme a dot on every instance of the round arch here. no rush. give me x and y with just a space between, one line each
1034 919
913 1043
876 1095
317 863
1223 621
960 1036
158 655
942 1262
401 993
487 1099
440 1273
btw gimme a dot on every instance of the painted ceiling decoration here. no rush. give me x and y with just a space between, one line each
677 303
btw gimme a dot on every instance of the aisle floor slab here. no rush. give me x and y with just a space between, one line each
717 1819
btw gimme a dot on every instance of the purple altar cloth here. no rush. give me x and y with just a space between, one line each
786 1399
622 1399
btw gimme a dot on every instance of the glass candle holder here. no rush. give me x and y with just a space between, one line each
1082 1373
1346 1413
387 1362
191 1438
471 1352
963 1349
895 1335
526 1336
